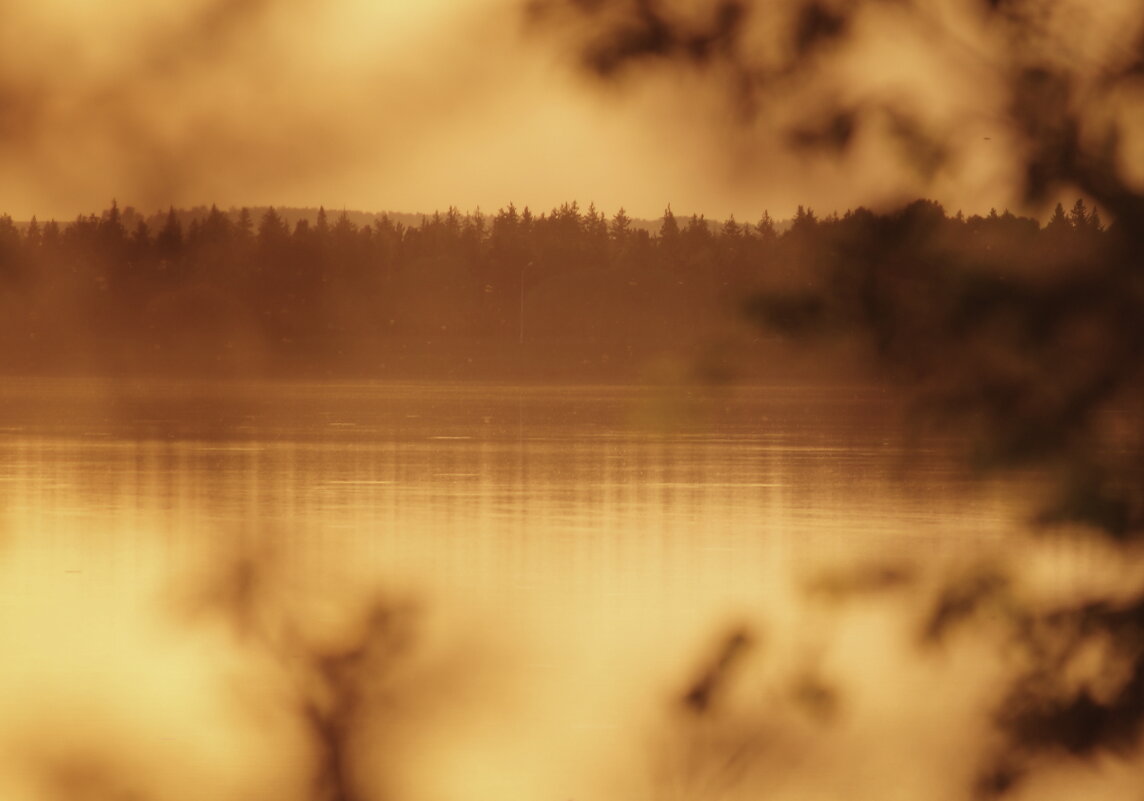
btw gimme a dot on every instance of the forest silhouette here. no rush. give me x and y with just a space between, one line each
569 292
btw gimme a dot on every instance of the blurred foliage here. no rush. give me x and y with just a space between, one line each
342 687
1026 342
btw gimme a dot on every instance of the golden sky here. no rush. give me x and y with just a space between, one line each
405 106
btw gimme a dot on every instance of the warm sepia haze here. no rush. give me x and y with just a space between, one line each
920 90
242 102
473 103
598 400
374 106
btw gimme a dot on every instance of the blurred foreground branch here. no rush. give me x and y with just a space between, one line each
1026 343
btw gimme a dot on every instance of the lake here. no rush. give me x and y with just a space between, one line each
573 554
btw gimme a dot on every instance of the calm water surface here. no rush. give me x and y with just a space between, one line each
637 493
585 542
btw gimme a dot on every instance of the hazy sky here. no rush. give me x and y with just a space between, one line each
414 106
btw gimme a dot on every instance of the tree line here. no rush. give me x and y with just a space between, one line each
208 289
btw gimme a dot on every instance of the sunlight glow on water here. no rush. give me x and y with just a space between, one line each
574 549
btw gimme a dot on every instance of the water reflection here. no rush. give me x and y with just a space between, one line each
591 538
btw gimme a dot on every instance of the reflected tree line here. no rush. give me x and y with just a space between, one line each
213 291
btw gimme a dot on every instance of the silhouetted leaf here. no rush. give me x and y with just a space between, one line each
817 25
711 682
960 601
